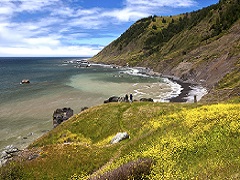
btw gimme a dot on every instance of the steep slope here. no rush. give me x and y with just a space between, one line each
201 47
184 141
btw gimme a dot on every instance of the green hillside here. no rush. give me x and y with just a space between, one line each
183 141
167 140
200 47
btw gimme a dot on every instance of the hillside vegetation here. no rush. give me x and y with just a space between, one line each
182 141
201 47
167 140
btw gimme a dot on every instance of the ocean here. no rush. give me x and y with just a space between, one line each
26 109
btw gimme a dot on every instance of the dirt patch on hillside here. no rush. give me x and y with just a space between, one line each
209 63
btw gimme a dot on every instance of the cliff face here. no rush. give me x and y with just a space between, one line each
202 46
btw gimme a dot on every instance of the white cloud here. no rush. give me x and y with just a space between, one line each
8 37
124 15
88 22
55 25
47 41
31 39
87 12
141 8
79 12
134 10
70 51
160 3
5 10
63 11
27 5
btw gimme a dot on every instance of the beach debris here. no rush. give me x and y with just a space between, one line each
119 137
61 115
25 81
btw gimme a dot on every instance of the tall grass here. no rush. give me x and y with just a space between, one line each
184 141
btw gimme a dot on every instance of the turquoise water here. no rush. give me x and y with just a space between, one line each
26 109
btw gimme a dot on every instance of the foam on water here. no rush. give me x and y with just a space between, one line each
197 91
129 80
159 91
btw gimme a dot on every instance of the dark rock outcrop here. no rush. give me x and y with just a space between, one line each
146 99
112 99
84 108
61 115
125 99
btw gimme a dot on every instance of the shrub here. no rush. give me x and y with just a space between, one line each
132 170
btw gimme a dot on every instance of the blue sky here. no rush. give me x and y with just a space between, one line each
76 27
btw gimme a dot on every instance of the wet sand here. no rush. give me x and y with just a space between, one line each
188 92
182 97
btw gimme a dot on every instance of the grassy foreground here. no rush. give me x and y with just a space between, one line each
184 141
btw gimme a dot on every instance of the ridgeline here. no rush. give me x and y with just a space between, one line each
167 140
201 47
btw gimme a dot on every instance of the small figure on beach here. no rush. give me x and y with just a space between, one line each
126 97
131 97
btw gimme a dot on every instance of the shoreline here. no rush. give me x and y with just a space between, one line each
186 89
187 92
183 90
183 93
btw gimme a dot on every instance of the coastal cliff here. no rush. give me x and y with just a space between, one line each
164 140
200 47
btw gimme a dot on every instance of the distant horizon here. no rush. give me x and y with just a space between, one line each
79 28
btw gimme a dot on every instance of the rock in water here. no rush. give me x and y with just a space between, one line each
119 137
61 115
25 81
